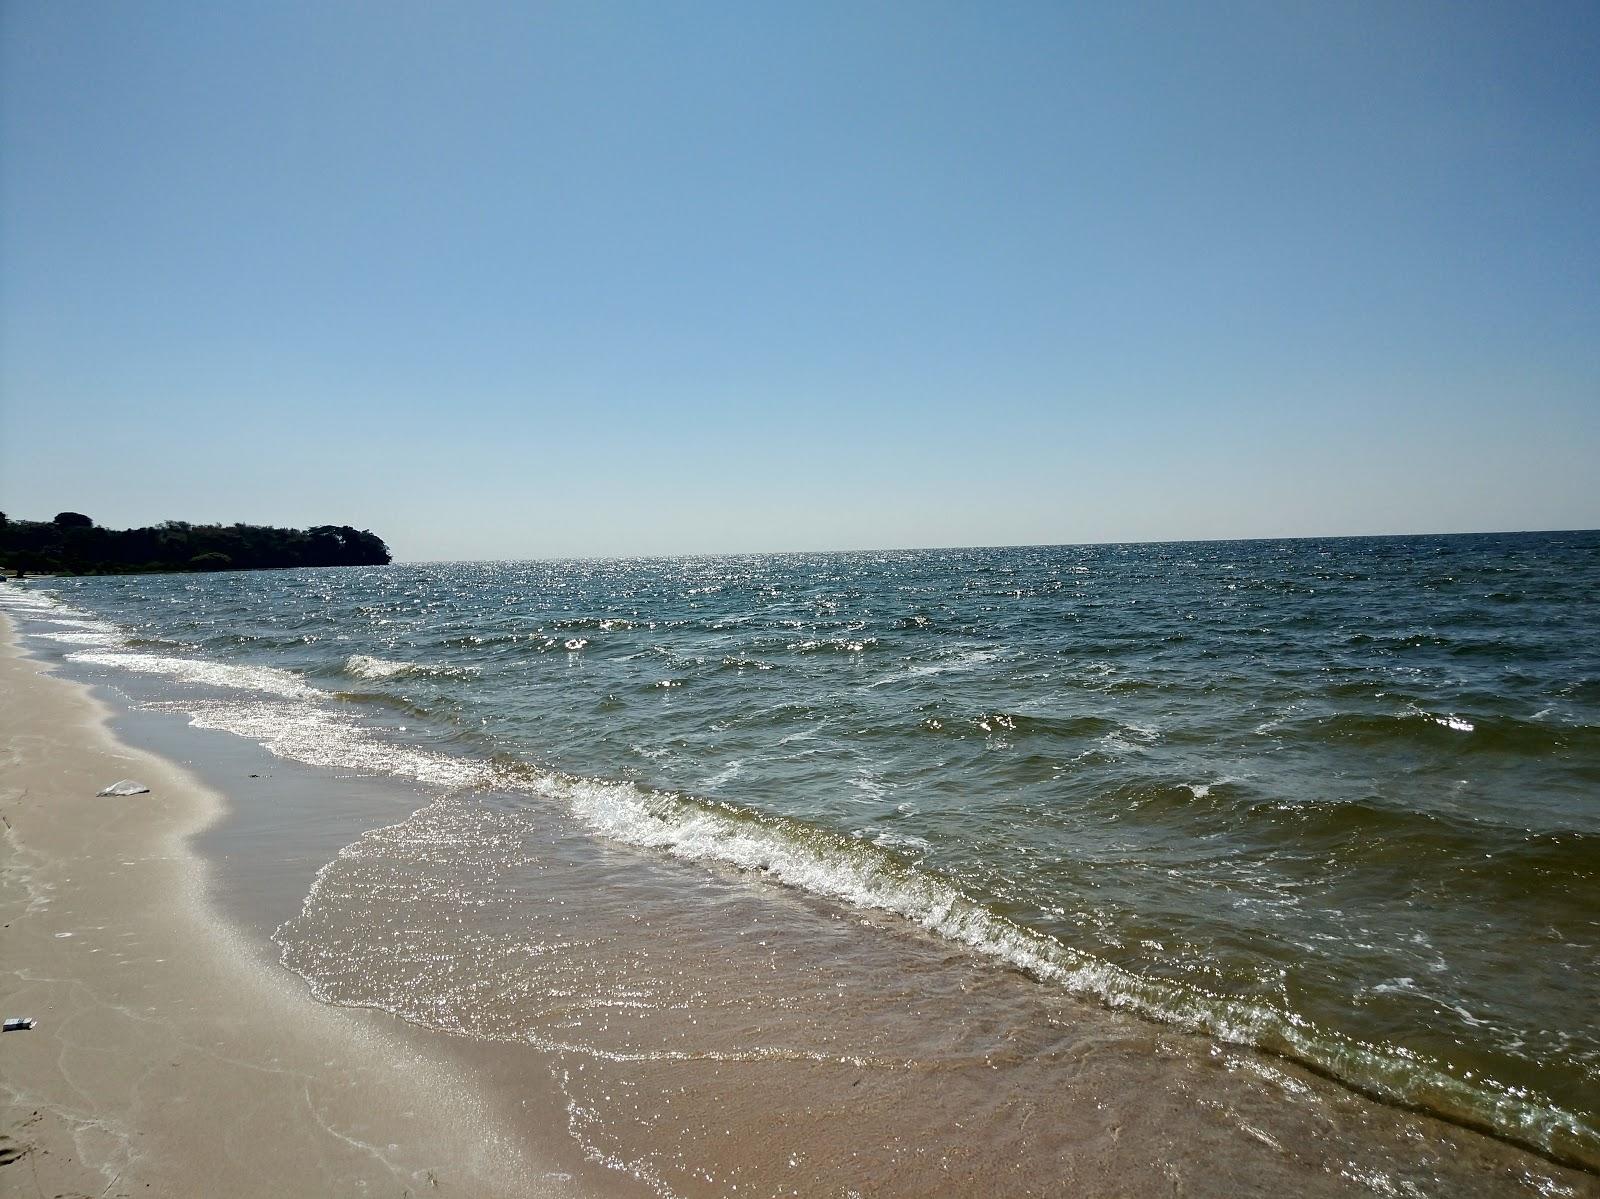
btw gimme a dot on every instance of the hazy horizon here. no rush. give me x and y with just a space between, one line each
599 281
401 559
1019 545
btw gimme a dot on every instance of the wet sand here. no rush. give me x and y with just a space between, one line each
578 1017
172 1056
718 1035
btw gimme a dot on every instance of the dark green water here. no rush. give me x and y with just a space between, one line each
1339 799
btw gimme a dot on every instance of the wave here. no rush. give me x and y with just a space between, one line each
1505 647
476 640
364 666
266 679
69 622
81 638
1369 830
965 660
875 877
391 701
38 605
1457 731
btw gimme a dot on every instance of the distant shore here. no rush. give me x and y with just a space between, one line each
73 544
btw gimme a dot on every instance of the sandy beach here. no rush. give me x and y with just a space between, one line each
170 1058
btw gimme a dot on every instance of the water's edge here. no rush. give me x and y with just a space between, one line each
269 707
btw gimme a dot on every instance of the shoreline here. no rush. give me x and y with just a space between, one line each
171 1055
863 1057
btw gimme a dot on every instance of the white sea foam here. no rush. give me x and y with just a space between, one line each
1130 738
35 604
210 674
364 666
67 626
847 645
807 733
963 661
903 842
320 736
17 595
726 775
101 639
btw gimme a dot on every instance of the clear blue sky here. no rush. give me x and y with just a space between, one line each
524 280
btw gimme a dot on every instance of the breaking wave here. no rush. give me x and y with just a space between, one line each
364 666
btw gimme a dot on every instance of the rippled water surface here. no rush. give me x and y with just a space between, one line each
1338 799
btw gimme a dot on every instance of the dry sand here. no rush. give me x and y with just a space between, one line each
171 1056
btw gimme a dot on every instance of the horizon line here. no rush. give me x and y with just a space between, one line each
1018 545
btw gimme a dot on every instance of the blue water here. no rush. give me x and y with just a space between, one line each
1336 798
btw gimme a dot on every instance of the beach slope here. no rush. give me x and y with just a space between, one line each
169 1057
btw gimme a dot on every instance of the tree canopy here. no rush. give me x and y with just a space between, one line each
73 544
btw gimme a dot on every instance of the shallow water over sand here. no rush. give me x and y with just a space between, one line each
712 1033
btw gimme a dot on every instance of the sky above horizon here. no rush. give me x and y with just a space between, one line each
516 280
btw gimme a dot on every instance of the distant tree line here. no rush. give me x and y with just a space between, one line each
74 544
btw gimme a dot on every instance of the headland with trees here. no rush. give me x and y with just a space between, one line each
73 544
